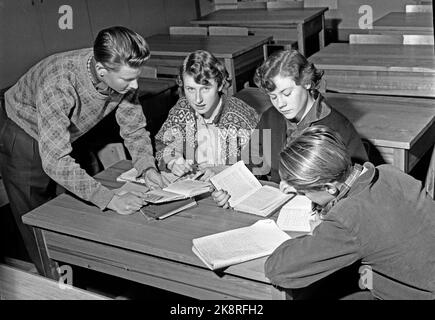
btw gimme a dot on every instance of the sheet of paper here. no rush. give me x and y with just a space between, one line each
296 215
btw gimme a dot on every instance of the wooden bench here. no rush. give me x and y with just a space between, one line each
16 284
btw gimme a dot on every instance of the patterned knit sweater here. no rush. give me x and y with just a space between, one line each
55 102
178 135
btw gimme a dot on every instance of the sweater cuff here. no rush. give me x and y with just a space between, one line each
143 164
102 196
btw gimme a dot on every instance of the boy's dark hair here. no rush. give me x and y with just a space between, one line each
117 46
203 66
287 63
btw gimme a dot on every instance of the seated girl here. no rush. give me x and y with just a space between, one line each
377 215
205 127
292 82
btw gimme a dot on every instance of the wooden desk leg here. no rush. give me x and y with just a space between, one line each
229 64
400 159
301 38
50 266
322 33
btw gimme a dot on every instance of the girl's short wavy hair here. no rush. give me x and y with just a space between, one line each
314 157
287 63
118 46
203 66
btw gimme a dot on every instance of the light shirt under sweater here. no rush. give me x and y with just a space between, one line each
209 149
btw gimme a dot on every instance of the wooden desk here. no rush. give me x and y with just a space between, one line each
283 24
404 23
156 253
241 54
402 70
400 129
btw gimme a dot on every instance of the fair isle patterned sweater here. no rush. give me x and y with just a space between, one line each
55 102
179 134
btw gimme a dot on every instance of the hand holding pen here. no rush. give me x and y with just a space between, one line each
180 166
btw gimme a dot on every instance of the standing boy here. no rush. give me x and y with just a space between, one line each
57 101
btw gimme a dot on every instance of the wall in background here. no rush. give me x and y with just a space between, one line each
30 29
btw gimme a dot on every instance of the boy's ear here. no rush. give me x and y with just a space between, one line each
331 188
101 70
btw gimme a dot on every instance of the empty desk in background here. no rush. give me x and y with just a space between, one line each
157 97
282 24
156 253
240 54
401 70
401 129
404 23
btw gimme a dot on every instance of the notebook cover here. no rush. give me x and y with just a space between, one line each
164 210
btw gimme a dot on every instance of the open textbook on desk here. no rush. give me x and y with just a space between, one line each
247 193
223 249
177 190
161 210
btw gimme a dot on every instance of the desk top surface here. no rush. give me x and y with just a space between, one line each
151 86
416 21
376 57
260 16
219 46
170 238
386 121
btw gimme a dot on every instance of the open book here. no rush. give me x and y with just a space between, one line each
157 211
177 190
247 193
296 215
238 245
131 175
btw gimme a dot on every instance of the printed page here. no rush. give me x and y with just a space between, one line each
263 198
239 245
296 215
189 188
238 181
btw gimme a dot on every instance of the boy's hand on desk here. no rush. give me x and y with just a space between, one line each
126 203
221 198
180 166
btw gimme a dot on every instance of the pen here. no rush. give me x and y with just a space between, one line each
195 167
